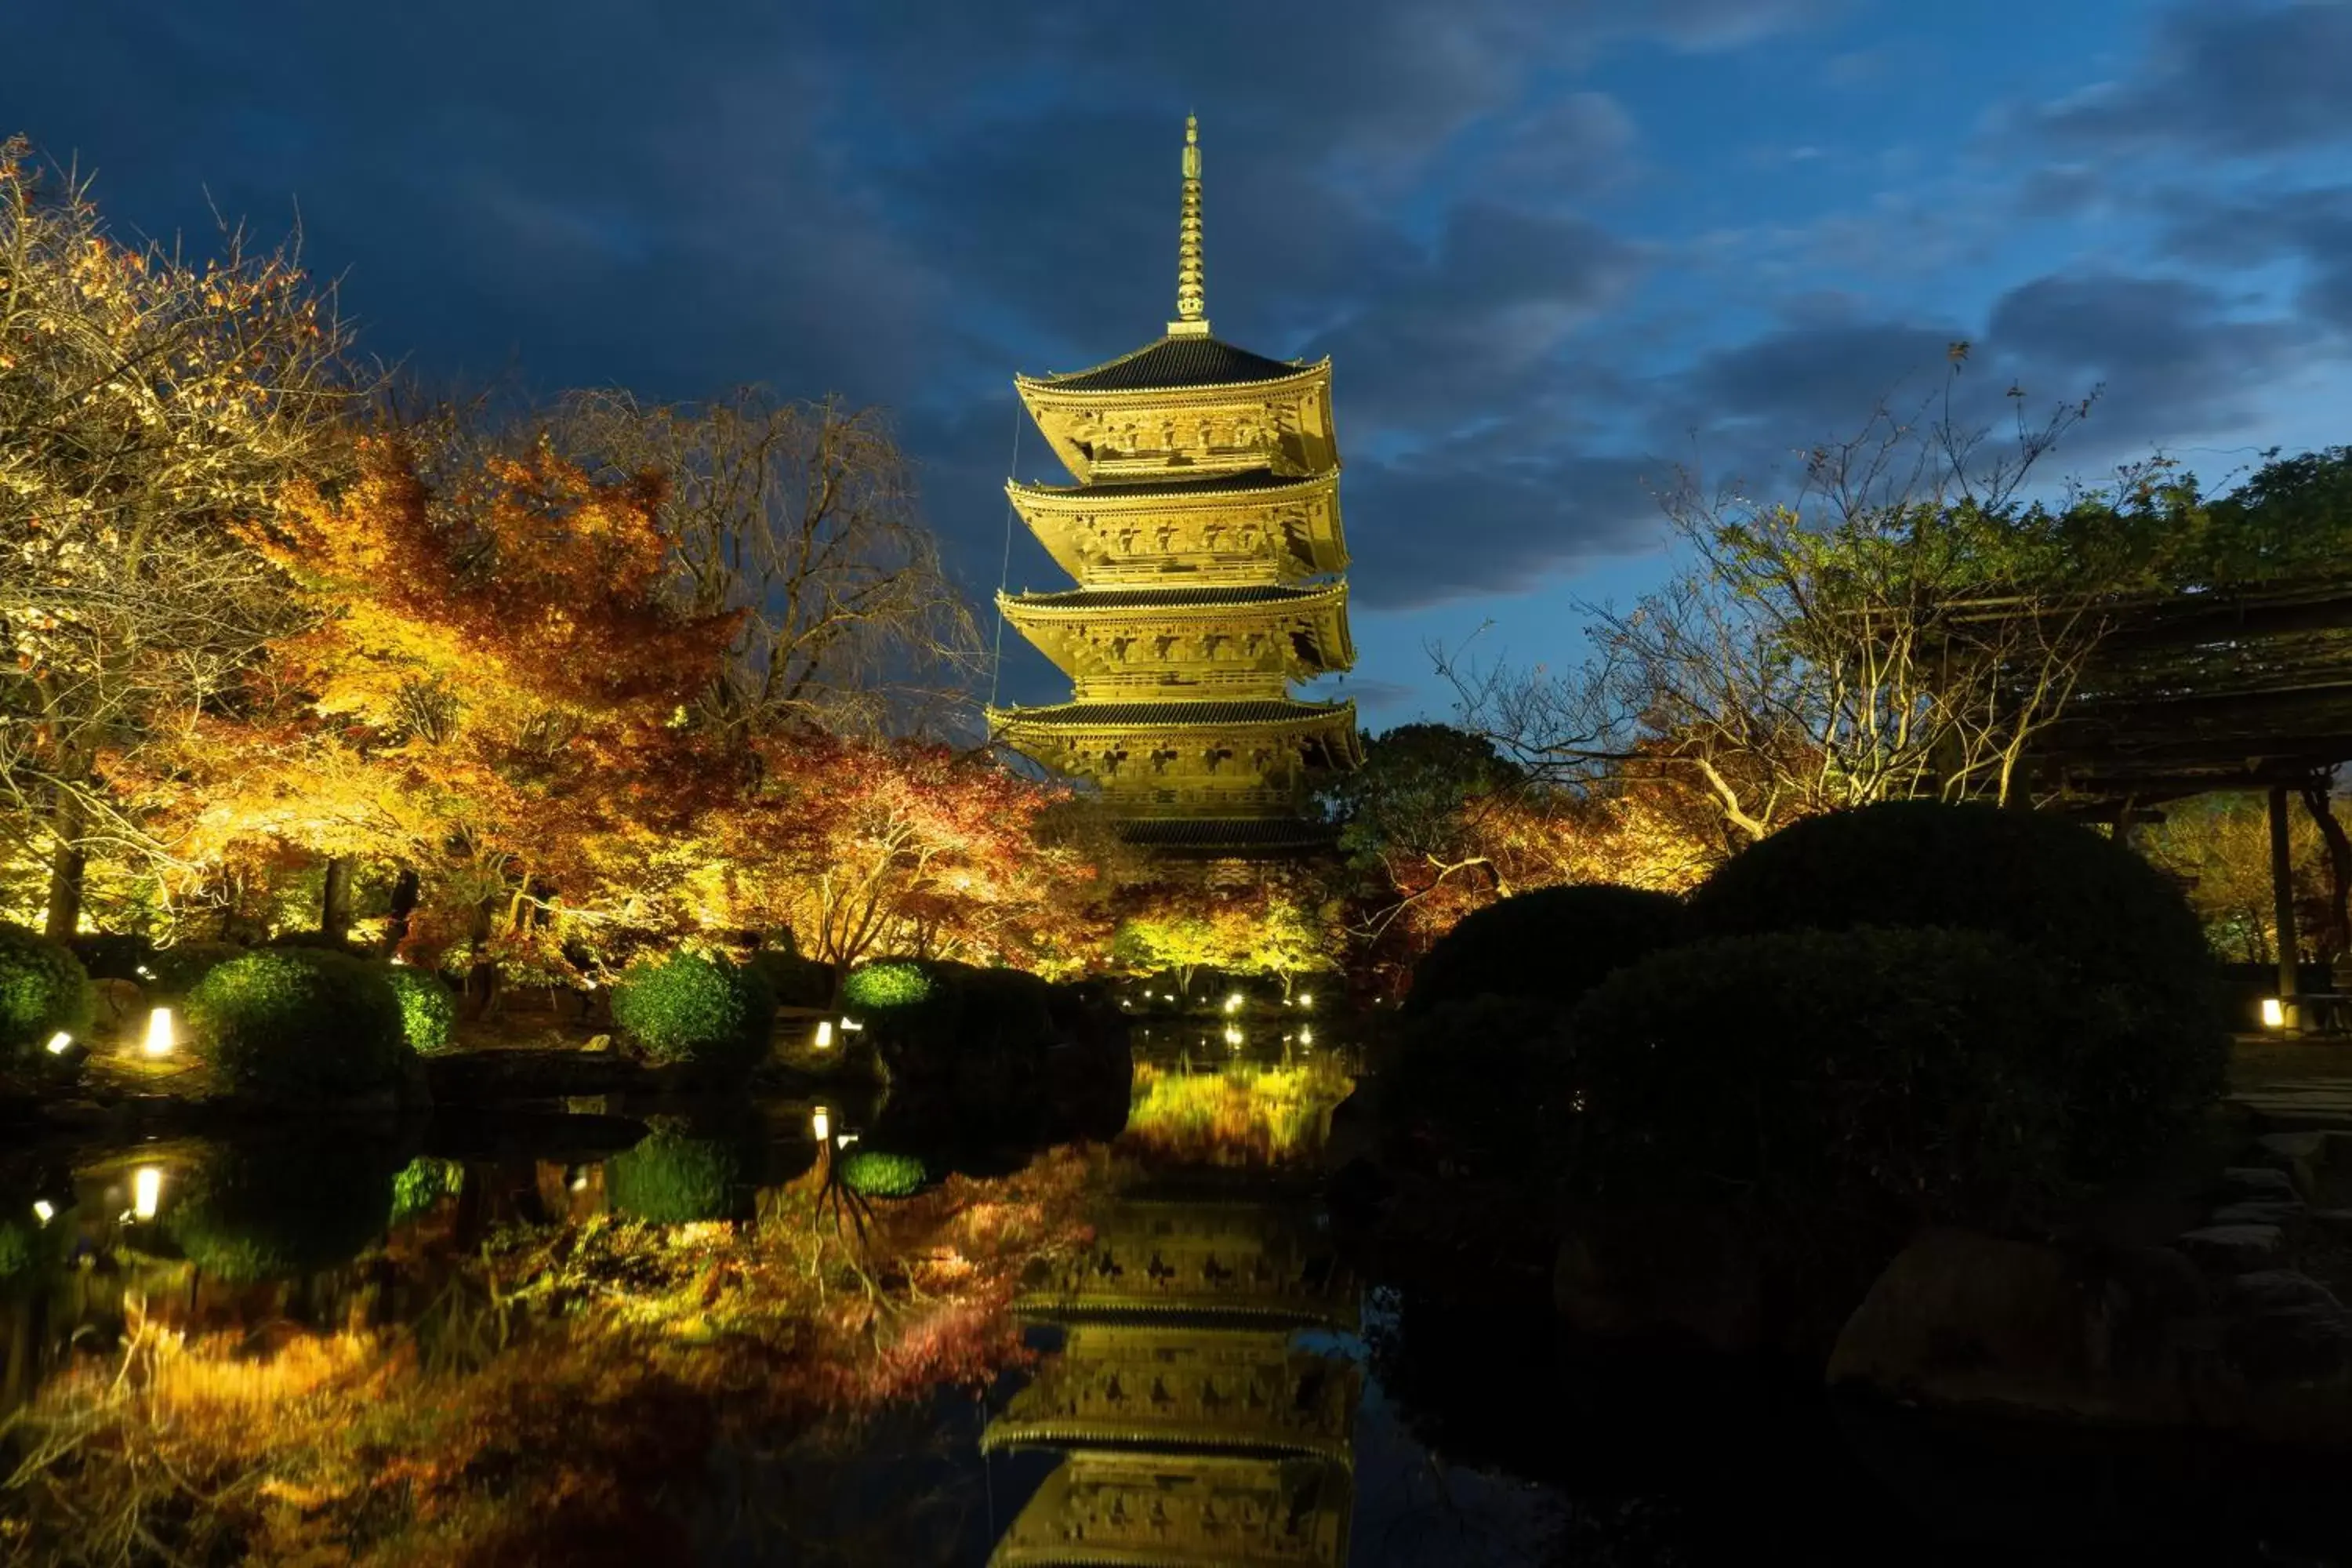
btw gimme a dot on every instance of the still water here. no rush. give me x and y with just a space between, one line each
610 1332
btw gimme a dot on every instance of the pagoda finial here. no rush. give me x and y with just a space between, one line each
1192 300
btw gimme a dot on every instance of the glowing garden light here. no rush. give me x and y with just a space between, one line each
851 1026
146 1191
60 1043
821 1125
1306 998
1234 1003
159 1031
1233 1036
824 1034
1306 1034
2274 1013
43 1211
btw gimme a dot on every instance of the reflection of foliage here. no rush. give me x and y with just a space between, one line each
673 1177
428 1009
689 1008
299 1021
561 1396
423 1183
16 1249
1246 1115
42 990
281 1211
890 982
878 1174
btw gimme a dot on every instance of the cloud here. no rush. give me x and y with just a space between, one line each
2228 79
2311 227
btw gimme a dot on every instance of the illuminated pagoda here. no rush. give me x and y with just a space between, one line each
1203 532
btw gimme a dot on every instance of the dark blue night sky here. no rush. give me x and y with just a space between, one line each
1551 257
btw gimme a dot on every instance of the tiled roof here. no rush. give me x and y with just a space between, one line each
1175 363
1223 832
1141 715
1213 484
1164 598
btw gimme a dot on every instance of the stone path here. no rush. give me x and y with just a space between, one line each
2301 1102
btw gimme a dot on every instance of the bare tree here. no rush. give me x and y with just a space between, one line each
1902 626
803 515
150 405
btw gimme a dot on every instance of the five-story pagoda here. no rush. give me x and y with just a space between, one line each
1203 532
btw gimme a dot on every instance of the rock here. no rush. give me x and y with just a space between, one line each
1961 1319
120 1003
2302 1155
2235 1248
2258 1185
2286 1327
2291 1219
598 1043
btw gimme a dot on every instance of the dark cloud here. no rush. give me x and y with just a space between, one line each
2236 79
2311 227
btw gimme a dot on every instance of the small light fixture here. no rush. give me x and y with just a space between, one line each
60 1043
824 1034
43 1211
1306 1034
145 973
159 1031
398 961
1234 1003
579 1180
146 1191
2274 1013
1306 999
1233 1036
851 1026
847 1139
821 1125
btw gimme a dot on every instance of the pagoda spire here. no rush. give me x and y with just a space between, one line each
1191 298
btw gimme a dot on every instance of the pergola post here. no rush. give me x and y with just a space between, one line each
2283 895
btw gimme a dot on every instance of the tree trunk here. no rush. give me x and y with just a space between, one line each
67 865
2339 866
405 889
335 899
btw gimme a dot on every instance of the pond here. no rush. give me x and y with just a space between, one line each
605 1332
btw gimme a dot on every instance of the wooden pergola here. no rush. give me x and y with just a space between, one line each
2246 688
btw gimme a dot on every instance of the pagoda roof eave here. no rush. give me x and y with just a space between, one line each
1127 717
1053 389
1207 602
1211 491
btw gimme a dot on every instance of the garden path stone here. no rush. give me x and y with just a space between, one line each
2258 1183
2235 1248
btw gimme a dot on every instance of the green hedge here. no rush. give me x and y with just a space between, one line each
1552 943
674 1176
43 989
2141 1050
428 1009
277 1212
1829 1078
177 970
687 1009
797 982
297 1023
876 1173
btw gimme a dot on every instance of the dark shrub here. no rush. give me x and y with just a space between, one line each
423 1183
927 1005
43 989
674 1176
2141 1049
297 1024
1484 1083
797 982
687 1009
278 1211
114 957
175 970
1555 943
428 1009
876 1173
1836 1080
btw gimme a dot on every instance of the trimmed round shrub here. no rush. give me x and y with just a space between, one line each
43 989
933 1008
1831 1079
295 1023
888 985
672 1177
687 1009
1483 1082
1553 943
175 970
878 1174
2141 1050
428 1009
279 1211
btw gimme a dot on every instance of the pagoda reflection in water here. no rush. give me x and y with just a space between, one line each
1196 1426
